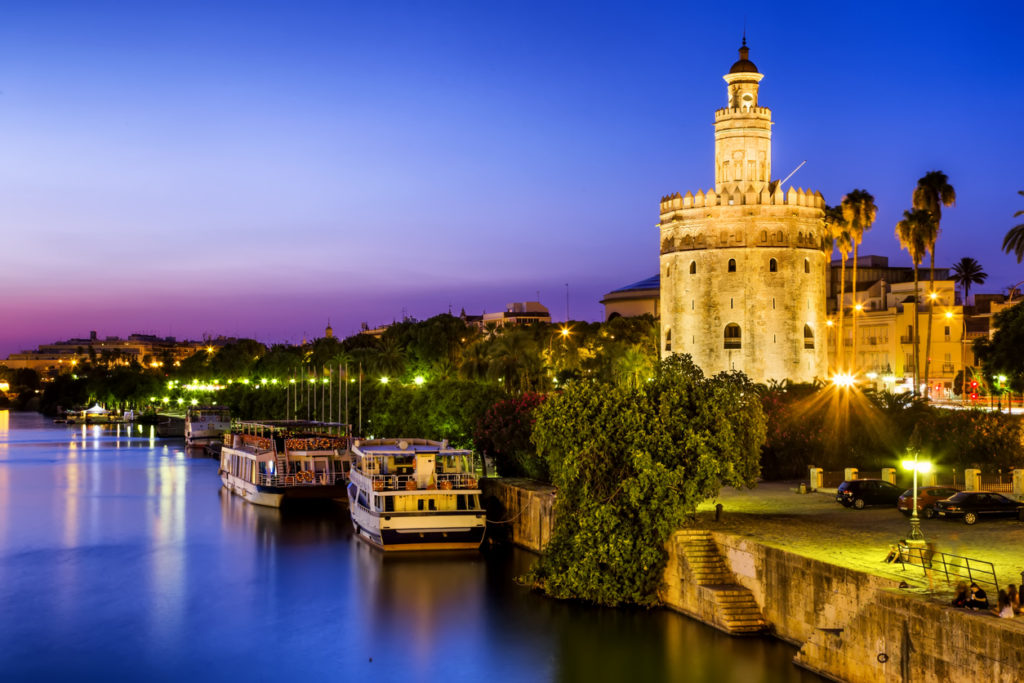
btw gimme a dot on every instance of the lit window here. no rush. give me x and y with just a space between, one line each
807 266
808 337
733 337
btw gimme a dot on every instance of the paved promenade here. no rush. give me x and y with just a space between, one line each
815 525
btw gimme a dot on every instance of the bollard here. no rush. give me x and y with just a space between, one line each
803 487
972 480
1018 481
817 478
718 512
850 473
889 474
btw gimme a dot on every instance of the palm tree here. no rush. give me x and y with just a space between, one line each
859 211
967 272
933 191
1014 240
835 227
911 230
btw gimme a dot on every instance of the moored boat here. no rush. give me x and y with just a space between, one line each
414 494
205 425
270 462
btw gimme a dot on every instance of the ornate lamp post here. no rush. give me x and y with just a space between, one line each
922 466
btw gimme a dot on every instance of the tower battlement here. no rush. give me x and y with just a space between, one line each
734 111
737 196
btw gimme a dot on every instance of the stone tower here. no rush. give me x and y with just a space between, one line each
742 268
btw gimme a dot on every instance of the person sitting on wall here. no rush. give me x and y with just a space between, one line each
1004 610
962 596
978 599
896 552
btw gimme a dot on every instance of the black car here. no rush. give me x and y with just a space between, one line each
975 505
860 492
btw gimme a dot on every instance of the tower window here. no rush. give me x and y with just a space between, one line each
733 336
808 337
773 266
807 266
693 267
732 265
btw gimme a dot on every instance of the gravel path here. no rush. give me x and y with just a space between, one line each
815 525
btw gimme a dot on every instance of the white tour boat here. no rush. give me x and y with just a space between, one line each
270 462
206 425
414 494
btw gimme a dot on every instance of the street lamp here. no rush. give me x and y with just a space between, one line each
922 466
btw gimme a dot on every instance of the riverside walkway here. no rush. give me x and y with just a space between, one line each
816 526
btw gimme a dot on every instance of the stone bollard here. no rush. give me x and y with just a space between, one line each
1018 481
718 512
816 479
850 473
889 474
972 480
927 478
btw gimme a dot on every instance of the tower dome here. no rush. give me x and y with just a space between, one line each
744 65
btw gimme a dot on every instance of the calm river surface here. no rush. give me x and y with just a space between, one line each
121 558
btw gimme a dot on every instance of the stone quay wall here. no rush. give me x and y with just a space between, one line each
521 509
849 625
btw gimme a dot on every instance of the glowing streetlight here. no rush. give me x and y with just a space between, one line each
859 307
933 296
565 332
418 380
924 467
383 380
843 380
829 322
949 315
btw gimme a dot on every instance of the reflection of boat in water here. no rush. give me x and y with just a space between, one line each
296 525
206 425
170 427
270 462
414 494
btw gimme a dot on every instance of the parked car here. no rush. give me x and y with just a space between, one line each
975 505
927 497
860 492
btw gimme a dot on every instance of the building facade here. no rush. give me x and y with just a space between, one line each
742 267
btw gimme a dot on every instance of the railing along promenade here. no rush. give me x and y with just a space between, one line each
952 566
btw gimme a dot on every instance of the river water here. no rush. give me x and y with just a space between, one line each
122 559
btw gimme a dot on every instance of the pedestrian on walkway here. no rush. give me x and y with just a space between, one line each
961 595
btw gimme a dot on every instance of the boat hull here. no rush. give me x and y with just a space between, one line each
396 532
275 496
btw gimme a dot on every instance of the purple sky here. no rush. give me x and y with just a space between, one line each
255 168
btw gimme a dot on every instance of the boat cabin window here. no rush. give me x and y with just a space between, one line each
389 504
419 504
460 502
430 504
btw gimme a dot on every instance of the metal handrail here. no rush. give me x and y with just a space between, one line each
977 571
296 479
407 482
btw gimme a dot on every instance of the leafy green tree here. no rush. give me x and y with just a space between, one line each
859 212
630 464
913 232
1014 240
1002 354
933 191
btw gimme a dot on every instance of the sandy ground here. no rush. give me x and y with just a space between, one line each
815 525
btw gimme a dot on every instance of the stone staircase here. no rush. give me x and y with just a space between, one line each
735 610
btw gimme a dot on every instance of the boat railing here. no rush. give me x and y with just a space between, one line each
407 482
302 478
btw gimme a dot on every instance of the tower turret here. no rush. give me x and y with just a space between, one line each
743 131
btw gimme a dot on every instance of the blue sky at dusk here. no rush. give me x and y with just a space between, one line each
254 168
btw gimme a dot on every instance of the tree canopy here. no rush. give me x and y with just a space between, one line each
631 461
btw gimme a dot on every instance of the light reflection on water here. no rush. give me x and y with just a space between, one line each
123 554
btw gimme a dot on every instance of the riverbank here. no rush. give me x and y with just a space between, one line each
814 574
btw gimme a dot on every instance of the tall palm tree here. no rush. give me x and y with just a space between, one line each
933 191
911 230
967 272
1014 240
838 238
859 211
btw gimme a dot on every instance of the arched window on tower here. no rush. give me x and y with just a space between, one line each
693 267
773 266
732 265
668 340
733 336
807 266
808 337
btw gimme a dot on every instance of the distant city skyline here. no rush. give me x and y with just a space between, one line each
252 170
